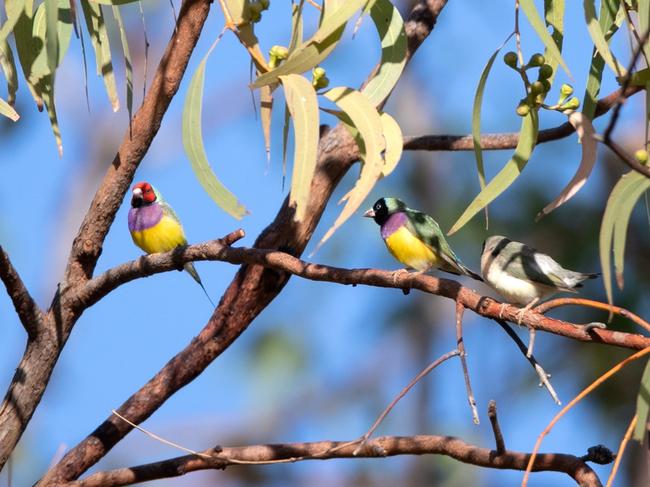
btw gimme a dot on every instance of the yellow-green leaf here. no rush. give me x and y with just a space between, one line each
14 9
390 27
394 143
598 38
266 110
613 228
9 69
8 111
642 405
367 122
554 18
507 175
99 38
528 7
303 106
195 151
128 67
296 25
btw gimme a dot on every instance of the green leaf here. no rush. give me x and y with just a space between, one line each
128 67
507 175
99 38
296 25
9 69
366 120
312 51
390 27
285 139
642 405
528 7
554 17
608 24
14 9
476 119
394 143
303 106
339 17
640 78
193 143
613 228
598 37
266 110
8 111
113 2
51 34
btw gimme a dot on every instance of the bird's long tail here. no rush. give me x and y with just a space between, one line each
468 272
191 270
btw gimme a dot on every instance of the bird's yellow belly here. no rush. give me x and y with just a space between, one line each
166 235
410 251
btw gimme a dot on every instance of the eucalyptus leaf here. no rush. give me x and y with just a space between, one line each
528 7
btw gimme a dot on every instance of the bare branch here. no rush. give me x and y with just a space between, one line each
500 444
508 140
460 310
28 312
323 450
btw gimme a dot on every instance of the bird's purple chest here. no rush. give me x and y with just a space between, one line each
394 223
144 217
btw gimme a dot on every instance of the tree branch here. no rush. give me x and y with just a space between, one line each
385 446
251 290
280 263
28 312
38 361
508 140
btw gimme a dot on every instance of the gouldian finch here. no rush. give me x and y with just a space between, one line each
523 275
155 227
414 238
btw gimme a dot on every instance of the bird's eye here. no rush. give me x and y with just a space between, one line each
377 206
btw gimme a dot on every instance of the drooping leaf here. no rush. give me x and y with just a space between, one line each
314 50
296 25
99 38
394 143
476 119
390 27
9 69
239 11
585 131
529 8
51 34
266 110
642 405
507 175
366 120
8 111
607 22
195 151
285 140
613 228
640 78
554 18
303 106
598 37
128 67
14 9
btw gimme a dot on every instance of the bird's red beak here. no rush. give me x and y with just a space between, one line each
370 213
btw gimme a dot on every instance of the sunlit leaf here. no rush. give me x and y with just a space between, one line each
8 111
303 106
113 2
394 143
507 175
390 27
296 25
239 11
266 110
313 51
285 140
128 67
529 8
598 37
9 69
366 120
585 131
51 34
554 18
613 228
99 38
14 9
642 405
193 143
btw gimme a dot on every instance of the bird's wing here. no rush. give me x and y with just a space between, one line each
428 231
169 212
524 262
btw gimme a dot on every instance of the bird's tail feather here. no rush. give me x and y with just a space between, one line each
191 270
471 273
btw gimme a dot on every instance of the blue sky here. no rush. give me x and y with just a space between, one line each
323 360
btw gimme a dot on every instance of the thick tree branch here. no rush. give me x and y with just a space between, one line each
41 355
251 290
281 263
509 140
385 446
28 312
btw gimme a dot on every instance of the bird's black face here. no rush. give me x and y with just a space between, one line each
379 212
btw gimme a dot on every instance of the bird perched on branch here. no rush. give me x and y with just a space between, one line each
155 227
524 276
414 238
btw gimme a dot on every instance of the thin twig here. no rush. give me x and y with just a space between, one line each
585 392
402 393
460 310
556 303
500 444
621 450
541 373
